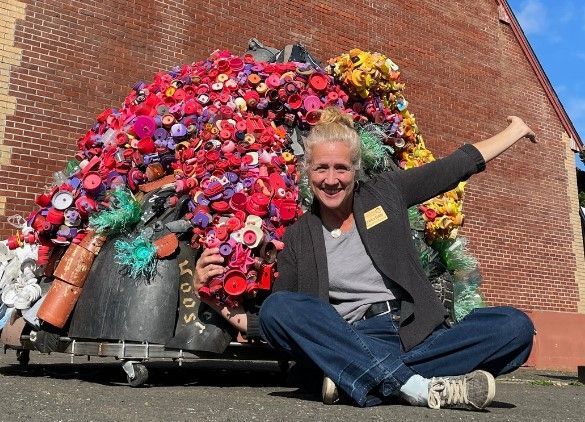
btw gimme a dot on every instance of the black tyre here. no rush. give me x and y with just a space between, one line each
140 375
23 358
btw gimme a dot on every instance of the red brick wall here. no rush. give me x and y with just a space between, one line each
463 68
522 231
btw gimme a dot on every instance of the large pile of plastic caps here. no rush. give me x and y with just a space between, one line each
219 129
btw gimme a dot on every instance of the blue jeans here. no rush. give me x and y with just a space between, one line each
365 358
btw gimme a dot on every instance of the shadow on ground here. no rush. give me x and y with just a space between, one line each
161 374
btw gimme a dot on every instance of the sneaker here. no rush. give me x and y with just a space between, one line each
475 391
329 391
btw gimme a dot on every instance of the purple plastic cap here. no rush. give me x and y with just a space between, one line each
263 104
160 134
74 182
248 182
228 193
176 109
232 177
64 231
191 206
201 219
178 130
225 249
139 85
203 200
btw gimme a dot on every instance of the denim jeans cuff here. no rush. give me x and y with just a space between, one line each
358 382
396 380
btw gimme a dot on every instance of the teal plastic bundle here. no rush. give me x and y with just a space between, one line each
466 292
415 219
137 255
466 276
454 254
305 191
428 257
123 215
72 167
374 152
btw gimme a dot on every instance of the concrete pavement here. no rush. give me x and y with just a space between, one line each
53 389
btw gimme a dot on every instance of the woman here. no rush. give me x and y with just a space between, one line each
352 297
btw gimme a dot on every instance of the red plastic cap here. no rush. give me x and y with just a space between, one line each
295 101
257 204
287 210
234 283
238 201
146 146
318 81
313 117
43 200
220 206
92 182
55 217
85 205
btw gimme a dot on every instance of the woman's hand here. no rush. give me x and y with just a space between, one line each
209 265
522 128
492 147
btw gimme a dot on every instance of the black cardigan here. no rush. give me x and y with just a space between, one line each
302 264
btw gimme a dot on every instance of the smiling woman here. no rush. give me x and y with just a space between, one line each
352 298
332 176
332 160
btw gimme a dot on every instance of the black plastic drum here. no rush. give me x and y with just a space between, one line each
161 309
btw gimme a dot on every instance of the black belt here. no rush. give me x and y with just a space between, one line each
386 307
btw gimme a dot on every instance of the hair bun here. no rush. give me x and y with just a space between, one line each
336 115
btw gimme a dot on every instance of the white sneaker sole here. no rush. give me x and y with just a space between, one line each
329 391
491 388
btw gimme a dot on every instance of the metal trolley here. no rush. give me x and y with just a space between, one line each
133 355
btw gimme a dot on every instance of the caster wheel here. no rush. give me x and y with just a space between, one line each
140 375
23 358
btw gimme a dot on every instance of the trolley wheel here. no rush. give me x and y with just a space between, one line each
23 357
284 370
140 375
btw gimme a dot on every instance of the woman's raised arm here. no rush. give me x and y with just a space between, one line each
495 145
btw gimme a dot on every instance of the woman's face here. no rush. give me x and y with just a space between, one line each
331 175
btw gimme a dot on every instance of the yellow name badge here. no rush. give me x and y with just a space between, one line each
375 216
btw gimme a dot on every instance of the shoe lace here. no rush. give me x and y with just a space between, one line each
447 391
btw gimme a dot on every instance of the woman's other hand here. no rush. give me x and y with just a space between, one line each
209 265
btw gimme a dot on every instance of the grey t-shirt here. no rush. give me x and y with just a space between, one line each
354 282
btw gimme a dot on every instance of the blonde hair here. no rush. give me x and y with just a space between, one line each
334 125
